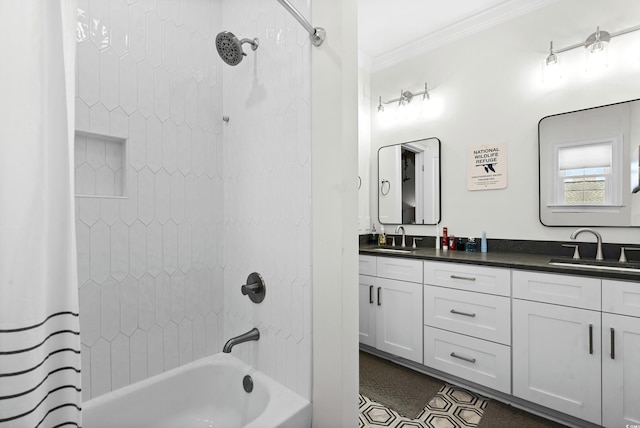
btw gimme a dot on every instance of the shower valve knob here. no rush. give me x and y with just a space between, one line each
254 288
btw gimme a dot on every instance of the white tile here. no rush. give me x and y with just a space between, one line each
185 341
304 376
162 196
82 29
191 294
146 302
171 346
109 309
184 148
197 56
88 78
191 197
177 11
114 154
83 248
204 105
169 146
109 78
178 90
155 351
154 39
292 363
170 247
217 289
154 248
177 296
119 123
145 88
100 252
99 24
199 337
163 9
162 93
105 181
184 246
100 368
82 115
119 250
163 299
169 46
99 119
129 205
191 101
88 210
128 305
184 51
146 195
197 245
177 200
138 249
85 180
212 333
154 144
89 300
138 350
96 154
85 354
197 150
128 83
137 31
120 355
119 37
137 143
204 291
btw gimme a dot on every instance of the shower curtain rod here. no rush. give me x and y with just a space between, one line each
316 34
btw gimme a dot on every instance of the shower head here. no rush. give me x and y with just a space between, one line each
230 48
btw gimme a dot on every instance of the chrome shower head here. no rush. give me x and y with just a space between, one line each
230 48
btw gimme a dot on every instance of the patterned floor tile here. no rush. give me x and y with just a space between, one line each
451 407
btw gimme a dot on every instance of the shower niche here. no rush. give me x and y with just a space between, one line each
99 165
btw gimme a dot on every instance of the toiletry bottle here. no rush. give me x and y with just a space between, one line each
452 242
437 240
445 239
382 238
460 244
374 238
471 245
483 243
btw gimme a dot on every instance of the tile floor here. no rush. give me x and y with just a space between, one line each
451 407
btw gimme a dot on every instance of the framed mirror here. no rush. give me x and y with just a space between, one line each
588 166
409 182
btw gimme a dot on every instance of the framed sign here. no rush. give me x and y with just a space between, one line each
487 167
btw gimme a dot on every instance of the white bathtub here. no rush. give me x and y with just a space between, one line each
205 393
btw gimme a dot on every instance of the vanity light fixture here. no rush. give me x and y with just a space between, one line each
596 52
409 104
405 98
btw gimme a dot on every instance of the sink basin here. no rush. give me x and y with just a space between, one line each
595 264
391 250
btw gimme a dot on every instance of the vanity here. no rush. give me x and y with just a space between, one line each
558 340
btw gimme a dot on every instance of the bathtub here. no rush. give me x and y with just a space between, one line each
205 393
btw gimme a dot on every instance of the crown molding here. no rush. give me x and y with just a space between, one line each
458 30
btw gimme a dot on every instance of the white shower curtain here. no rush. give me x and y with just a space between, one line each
39 330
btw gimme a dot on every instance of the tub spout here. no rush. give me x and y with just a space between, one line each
253 334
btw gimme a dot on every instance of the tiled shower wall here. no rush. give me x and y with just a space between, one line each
150 263
267 189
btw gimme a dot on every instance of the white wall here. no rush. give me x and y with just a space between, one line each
150 269
491 89
267 190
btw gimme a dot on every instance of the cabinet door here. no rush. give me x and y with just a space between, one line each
367 320
556 358
399 318
620 371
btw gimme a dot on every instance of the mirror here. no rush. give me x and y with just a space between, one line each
588 165
409 182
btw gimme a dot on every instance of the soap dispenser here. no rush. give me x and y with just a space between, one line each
382 238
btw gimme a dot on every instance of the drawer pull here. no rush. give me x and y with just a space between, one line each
469 360
371 294
591 338
466 278
466 314
379 301
613 344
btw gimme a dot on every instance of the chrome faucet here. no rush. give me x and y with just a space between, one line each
253 334
577 232
404 242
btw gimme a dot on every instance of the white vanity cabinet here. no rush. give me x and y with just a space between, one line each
620 353
556 347
391 306
467 317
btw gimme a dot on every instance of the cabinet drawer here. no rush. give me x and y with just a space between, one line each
480 315
568 290
368 265
468 277
479 361
400 269
621 297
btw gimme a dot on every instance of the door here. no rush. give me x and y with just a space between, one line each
620 371
556 358
367 320
399 318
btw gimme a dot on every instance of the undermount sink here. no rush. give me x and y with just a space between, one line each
391 250
595 264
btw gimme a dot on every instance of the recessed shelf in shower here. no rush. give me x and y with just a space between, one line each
99 165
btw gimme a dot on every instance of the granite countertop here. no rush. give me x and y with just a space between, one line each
522 261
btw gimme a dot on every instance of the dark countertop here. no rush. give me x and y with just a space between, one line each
524 261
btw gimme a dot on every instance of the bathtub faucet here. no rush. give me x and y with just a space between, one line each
253 334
